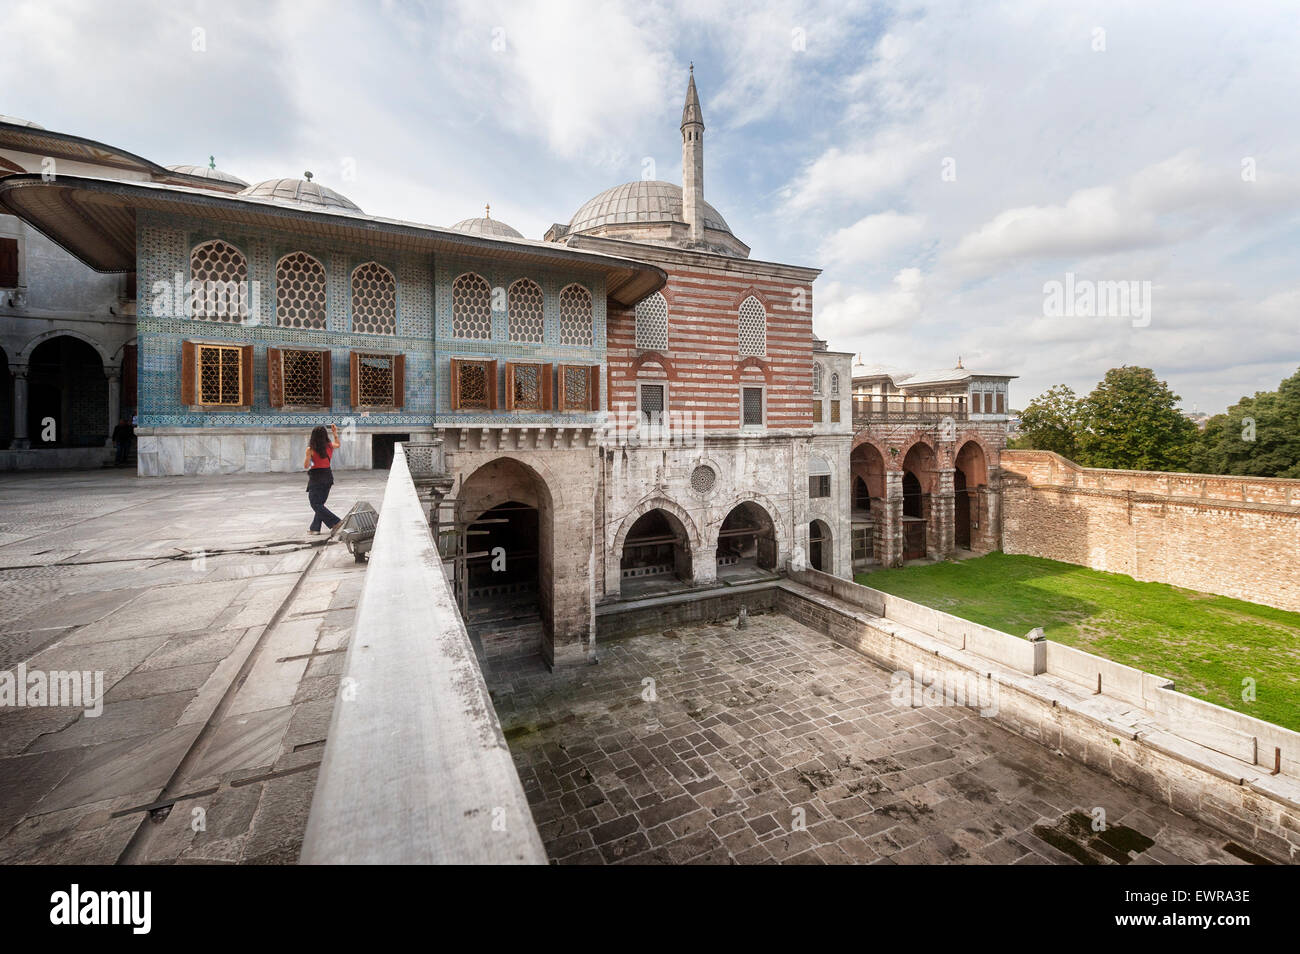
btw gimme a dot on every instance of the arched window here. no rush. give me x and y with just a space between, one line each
525 309
575 316
471 307
817 380
219 275
753 327
652 323
819 477
374 300
300 292
835 385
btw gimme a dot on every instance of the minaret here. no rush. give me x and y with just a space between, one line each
693 163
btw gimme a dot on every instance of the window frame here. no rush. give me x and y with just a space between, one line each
762 389
545 375
663 409
593 387
398 368
192 371
275 378
454 380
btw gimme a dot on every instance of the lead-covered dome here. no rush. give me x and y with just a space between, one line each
15 121
638 203
208 172
492 228
301 192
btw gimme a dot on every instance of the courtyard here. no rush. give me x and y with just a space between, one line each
709 744
219 626
1207 644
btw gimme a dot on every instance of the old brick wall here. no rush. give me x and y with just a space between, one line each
1237 537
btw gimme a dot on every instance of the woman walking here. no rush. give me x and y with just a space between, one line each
320 477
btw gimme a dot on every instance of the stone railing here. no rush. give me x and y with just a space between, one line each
416 769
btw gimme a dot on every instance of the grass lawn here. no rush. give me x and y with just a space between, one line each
1207 644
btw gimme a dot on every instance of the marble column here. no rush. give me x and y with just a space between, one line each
21 441
890 520
114 375
943 516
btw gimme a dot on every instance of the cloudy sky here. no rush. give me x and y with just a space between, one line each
941 162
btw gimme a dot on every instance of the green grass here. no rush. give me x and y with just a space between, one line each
1207 644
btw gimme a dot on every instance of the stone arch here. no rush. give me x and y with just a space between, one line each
973 461
773 514
821 546
25 353
500 491
665 504
652 357
757 363
868 463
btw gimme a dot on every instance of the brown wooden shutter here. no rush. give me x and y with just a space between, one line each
593 390
354 381
455 385
547 395
246 376
8 263
275 377
189 372
326 386
399 380
510 386
492 385
1001 402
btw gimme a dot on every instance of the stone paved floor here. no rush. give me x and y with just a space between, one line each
219 672
752 730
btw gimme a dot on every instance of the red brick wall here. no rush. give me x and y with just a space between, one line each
705 374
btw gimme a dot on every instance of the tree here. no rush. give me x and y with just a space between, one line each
1051 422
1131 421
1257 437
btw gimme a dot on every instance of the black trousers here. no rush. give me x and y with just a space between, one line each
319 482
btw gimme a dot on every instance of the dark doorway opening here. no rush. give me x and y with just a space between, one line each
382 448
819 546
961 511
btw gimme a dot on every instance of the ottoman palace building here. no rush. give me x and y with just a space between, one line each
630 406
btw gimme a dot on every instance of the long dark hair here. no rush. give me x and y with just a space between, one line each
319 441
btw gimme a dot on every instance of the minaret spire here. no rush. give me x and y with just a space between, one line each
693 162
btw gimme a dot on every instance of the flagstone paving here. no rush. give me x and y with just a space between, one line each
220 627
709 744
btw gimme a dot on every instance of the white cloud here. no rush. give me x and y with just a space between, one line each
872 237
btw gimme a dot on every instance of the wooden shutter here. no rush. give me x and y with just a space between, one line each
548 397
189 372
326 387
399 380
593 388
246 376
492 385
455 385
354 381
1001 402
510 386
275 377
8 263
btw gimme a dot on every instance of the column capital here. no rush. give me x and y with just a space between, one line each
113 372
19 370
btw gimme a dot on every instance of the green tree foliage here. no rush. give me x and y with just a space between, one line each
1257 437
1131 421
1051 422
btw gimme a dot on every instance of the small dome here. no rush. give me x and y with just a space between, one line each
492 228
301 192
15 121
640 202
208 172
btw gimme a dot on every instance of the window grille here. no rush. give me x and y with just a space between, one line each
652 403
753 327
526 386
752 407
471 307
219 273
374 300
300 292
652 323
375 380
526 312
220 375
575 316
304 378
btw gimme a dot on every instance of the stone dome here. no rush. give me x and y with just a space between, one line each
15 121
301 192
638 203
208 172
491 228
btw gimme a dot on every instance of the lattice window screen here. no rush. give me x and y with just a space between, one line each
652 323
473 384
576 392
375 379
219 375
374 300
575 316
471 307
525 307
752 406
753 327
303 378
300 292
652 403
527 384
220 275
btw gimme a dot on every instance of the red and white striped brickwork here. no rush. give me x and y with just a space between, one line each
704 369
